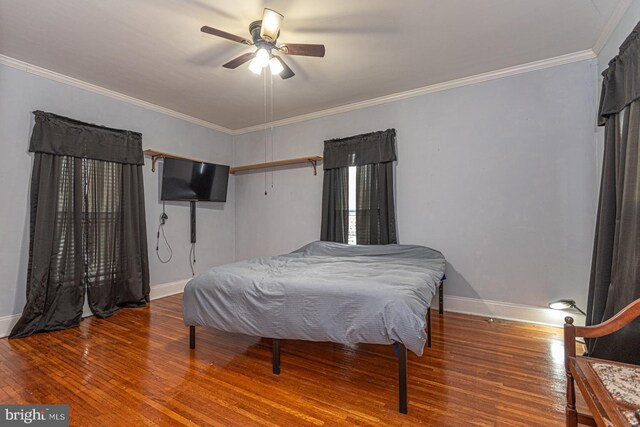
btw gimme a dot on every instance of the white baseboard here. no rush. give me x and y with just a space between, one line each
167 289
509 311
6 324
478 307
157 291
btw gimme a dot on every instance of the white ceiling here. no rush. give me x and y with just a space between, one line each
153 50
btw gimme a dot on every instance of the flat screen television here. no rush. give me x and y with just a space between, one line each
189 180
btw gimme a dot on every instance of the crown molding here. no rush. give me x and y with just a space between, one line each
478 78
52 75
611 25
465 81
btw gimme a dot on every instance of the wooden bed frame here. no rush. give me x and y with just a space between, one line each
401 352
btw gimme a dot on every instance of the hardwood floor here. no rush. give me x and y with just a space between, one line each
136 369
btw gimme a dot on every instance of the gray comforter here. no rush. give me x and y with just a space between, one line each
322 292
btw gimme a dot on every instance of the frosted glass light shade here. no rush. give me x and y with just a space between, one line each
271 21
275 66
262 57
255 66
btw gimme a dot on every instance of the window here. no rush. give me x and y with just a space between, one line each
97 200
102 221
88 232
352 206
357 194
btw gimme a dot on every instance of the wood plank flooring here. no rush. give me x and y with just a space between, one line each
135 368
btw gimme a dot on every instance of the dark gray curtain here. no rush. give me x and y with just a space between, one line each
87 224
358 150
375 213
116 240
372 154
615 270
335 206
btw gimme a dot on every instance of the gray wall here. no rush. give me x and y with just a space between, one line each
20 94
500 176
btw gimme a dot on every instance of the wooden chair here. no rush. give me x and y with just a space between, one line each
617 322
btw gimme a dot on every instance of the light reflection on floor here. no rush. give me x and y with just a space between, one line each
556 348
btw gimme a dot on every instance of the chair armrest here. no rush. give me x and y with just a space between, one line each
617 322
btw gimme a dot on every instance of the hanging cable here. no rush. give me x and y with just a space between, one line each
192 258
163 220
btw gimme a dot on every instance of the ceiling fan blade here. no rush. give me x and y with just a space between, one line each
286 72
302 49
224 35
235 63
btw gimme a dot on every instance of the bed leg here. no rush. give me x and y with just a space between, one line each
429 327
440 298
402 378
275 349
192 337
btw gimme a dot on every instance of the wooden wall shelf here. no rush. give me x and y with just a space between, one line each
313 160
308 159
156 155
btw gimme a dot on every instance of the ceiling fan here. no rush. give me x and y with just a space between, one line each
264 36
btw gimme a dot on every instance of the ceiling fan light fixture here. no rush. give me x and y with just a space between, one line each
275 66
271 21
264 39
255 66
262 57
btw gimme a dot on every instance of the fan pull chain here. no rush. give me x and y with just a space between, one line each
271 122
264 130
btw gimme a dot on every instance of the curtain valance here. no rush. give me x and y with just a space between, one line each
53 134
359 150
621 85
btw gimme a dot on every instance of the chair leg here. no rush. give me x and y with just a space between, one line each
192 337
402 378
275 350
570 411
440 298
569 357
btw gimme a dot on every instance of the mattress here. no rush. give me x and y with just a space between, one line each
323 291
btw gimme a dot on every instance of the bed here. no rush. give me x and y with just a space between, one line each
324 291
